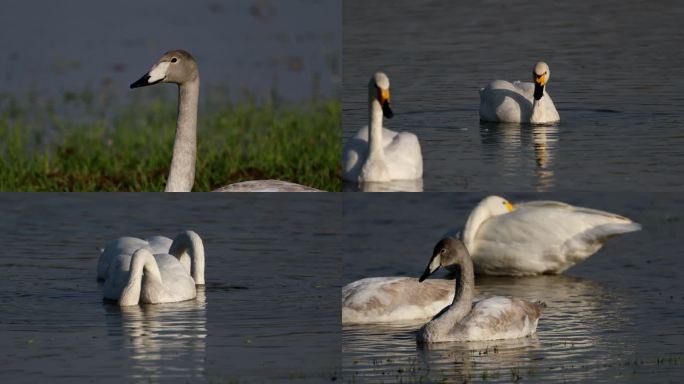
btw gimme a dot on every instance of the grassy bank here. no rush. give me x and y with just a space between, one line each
131 150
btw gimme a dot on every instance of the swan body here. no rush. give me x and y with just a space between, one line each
157 278
126 246
266 186
493 318
391 299
377 154
179 67
505 102
538 237
148 279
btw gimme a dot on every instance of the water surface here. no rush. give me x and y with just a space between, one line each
619 315
615 80
270 302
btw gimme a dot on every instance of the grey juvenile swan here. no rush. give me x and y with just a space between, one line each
493 318
180 67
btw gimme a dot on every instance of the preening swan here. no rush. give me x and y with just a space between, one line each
159 278
493 318
538 236
179 67
388 299
126 246
501 101
375 153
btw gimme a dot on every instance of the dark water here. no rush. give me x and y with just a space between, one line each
250 47
618 316
615 79
271 301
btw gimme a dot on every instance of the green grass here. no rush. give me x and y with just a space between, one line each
131 150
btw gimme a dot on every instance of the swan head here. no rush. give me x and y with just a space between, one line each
497 205
540 75
448 251
379 90
173 67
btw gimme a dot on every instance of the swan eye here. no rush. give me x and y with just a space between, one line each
442 252
174 60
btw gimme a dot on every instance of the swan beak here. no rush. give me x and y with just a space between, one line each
539 82
435 262
385 102
540 79
510 207
143 81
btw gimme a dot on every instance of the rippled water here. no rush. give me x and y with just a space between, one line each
270 303
615 81
617 316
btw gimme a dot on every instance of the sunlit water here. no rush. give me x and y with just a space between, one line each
614 78
269 305
617 316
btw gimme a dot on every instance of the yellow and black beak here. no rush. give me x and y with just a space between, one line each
385 102
510 207
539 83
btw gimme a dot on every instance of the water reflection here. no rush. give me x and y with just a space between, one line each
391 186
514 146
579 314
165 340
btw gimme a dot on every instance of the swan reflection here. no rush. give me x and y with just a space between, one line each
415 185
162 340
515 145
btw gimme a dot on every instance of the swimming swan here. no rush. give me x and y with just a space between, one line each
381 155
388 299
179 67
493 318
126 246
159 278
537 237
501 101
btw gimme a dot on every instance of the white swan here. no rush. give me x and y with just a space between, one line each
159 278
126 246
493 318
179 67
501 101
538 236
381 155
393 299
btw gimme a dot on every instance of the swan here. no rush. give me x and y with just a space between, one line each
393 299
537 237
379 154
126 246
493 318
157 278
179 67
504 102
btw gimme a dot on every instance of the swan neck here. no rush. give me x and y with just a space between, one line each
463 301
478 216
143 267
375 148
182 173
190 242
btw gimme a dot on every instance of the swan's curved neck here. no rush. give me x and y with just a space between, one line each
463 299
143 266
190 242
478 216
182 173
375 149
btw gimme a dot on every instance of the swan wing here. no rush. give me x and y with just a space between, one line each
544 237
384 299
127 245
501 318
404 157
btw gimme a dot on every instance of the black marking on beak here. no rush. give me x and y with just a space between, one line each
144 81
427 272
538 91
387 110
